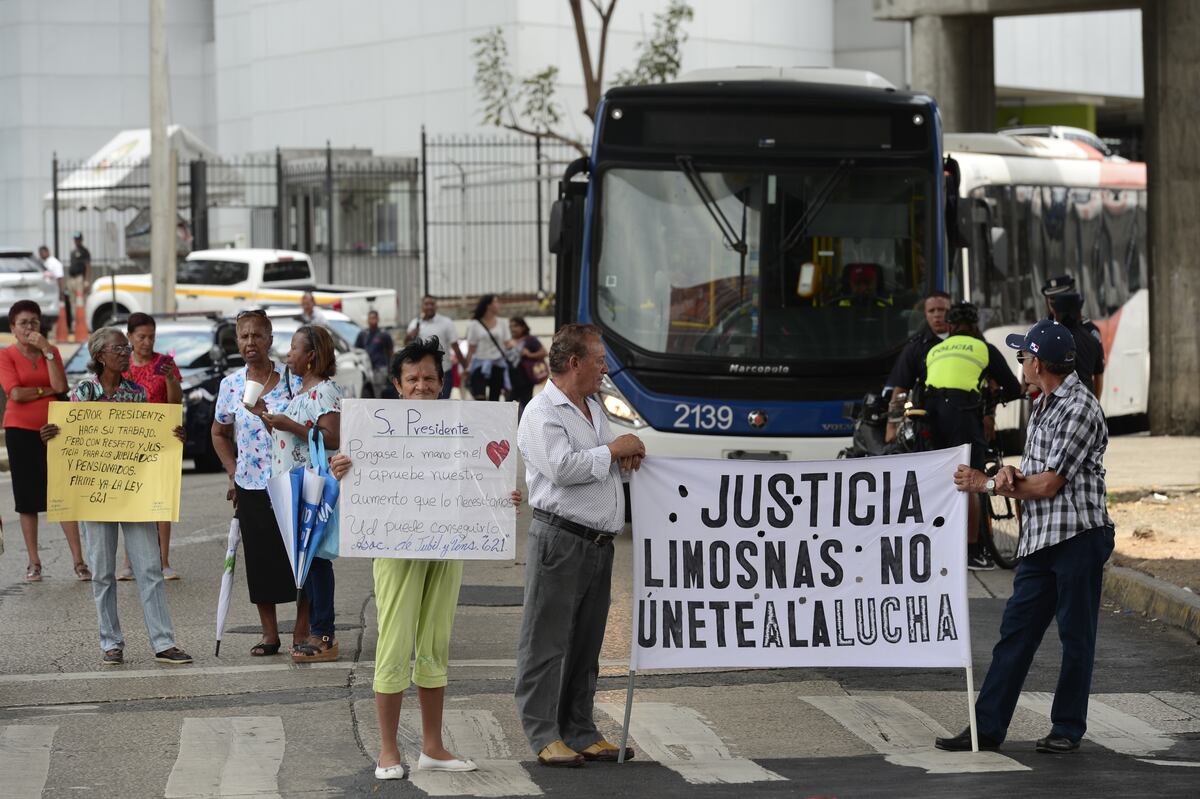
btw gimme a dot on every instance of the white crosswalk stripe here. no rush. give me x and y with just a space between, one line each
1108 726
237 756
25 760
684 741
904 735
474 734
242 755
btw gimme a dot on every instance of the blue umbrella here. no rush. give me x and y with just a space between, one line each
284 491
319 497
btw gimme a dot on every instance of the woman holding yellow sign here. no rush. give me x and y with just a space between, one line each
110 352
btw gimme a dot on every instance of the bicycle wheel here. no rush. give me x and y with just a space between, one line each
1002 533
1001 528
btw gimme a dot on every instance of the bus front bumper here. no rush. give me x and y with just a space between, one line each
693 445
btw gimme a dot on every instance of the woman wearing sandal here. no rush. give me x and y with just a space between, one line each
243 443
31 372
416 601
317 404
109 350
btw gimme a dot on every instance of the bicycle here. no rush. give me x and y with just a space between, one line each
1000 530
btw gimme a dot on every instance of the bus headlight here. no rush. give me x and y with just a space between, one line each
617 408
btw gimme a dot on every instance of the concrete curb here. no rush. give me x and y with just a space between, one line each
1124 494
1157 599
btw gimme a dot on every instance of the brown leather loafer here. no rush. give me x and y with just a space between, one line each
604 752
560 755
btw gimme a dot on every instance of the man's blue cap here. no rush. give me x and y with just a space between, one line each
1047 340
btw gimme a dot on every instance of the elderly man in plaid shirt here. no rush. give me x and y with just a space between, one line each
1066 537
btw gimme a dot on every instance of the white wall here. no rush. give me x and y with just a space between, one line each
1098 53
368 73
72 74
862 42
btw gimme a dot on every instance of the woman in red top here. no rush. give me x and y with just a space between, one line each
31 372
158 374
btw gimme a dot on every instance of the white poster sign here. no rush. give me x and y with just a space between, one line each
828 563
429 480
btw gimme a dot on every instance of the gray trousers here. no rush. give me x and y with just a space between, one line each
567 586
141 544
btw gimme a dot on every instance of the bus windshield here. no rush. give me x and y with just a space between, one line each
818 264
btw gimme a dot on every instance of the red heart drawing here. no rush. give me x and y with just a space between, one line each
497 451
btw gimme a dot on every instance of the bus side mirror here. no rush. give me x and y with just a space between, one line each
555 228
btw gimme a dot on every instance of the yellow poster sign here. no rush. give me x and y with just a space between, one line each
114 462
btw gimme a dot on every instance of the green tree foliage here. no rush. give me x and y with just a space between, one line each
528 105
659 56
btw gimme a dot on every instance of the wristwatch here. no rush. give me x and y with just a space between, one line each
991 486
49 356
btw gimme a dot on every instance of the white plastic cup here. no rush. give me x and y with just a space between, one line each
254 390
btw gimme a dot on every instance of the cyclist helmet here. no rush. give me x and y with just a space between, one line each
962 313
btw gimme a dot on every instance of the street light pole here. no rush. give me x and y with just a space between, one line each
162 184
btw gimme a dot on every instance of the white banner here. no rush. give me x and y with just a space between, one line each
856 562
430 480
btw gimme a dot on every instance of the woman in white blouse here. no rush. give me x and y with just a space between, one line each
486 368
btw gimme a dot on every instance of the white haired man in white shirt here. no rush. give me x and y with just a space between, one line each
574 465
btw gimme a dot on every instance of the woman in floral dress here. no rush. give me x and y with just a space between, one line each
316 406
243 442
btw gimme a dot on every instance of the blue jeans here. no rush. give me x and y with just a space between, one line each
447 384
319 589
141 544
1062 582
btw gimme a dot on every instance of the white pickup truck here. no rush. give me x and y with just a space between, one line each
228 281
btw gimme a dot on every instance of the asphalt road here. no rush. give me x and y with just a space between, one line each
244 726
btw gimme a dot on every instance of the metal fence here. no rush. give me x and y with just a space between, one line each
468 217
487 204
108 204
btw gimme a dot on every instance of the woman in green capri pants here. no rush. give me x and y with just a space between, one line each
415 601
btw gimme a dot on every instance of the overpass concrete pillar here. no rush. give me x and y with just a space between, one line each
952 59
1171 61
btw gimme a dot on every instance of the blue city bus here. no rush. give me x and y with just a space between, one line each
755 245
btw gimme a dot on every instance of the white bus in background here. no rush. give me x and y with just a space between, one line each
1030 208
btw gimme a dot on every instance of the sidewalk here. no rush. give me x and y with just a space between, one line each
1154 499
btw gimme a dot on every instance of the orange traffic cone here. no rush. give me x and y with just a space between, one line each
81 328
61 331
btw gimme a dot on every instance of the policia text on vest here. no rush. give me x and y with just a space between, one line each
956 363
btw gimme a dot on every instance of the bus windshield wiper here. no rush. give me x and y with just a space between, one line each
728 231
820 198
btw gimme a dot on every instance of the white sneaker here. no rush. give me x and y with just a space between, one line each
427 763
396 772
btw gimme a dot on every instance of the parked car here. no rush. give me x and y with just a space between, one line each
226 281
22 277
205 349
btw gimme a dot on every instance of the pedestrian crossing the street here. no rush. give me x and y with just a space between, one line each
244 755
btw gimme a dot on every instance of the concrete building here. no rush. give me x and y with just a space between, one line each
250 75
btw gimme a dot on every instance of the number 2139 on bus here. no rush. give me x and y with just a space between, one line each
703 417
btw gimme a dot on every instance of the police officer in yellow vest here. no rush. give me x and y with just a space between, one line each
955 371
